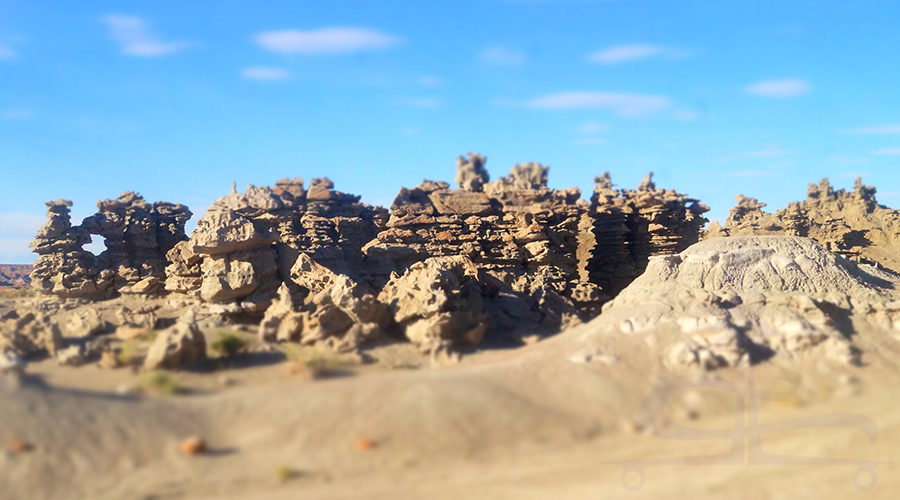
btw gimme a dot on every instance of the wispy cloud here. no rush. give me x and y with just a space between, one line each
419 102
17 114
628 53
880 130
326 41
622 104
16 232
135 39
593 128
411 131
264 74
779 88
503 56
430 81
589 141
887 152
847 160
6 52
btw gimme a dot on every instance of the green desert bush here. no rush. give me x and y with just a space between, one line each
159 382
311 362
229 345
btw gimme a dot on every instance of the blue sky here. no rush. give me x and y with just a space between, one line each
177 100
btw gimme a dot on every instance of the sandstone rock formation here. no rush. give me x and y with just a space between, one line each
247 244
444 267
330 310
438 303
848 223
30 333
731 300
624 228
521 234
179 346
63 267
137 236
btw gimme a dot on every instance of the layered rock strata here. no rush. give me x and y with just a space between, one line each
247 244
849 223
519 233
624 228
63 268
137 235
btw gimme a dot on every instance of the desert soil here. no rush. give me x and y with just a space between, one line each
522 423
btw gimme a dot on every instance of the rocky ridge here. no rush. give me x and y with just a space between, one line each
443 268
849 223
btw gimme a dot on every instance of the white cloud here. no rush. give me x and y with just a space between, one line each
847 160
593 128
589 141
627 53
779 88
16 232
503 56
328 41
622 104
431 81
136 40
264 74
419 102
883 129
17 114
887 152
686 115
6 52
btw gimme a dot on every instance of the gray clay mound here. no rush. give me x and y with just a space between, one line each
767 264
726 301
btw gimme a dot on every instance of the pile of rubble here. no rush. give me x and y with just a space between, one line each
849 223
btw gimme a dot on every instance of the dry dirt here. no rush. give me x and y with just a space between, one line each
549 420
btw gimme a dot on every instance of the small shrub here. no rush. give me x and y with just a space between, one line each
128 355
311 362
149 336
286 473
159 382
229 345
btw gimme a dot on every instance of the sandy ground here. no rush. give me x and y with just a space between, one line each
520 423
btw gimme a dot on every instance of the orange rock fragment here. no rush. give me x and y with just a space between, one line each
193 446
366 444
17 447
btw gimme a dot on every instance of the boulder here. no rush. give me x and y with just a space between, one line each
182 345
